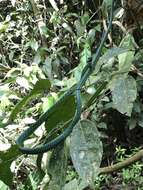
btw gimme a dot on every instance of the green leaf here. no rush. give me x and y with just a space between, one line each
75 185
6 158
4 103
86 150
67 27
39 87
23 82
132 123
34 44
85 19
4 90
110 54
47 68
57 167
140 121
91 37
48 102
62 113
124 92
3 186
33 180
94 97
80 25
85 54
37 58
113 52
4 26
106 5
72 185
125 59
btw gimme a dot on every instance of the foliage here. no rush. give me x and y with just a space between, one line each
43 49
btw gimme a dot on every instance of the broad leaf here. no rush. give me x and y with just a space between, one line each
72 185
3 186
109 54
113 52
6 158
86 150
84 56
39 87
57 167
3 26
124 92
125 59
23 82
75 185
62 113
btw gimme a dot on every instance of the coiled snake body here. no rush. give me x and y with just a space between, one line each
88 69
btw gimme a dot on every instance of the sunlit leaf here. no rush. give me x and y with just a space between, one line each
124 92
39 87
13 2
34 44
125 59
4 102
79 28
3 27
3 186
23 82
54 5
91 37
67 27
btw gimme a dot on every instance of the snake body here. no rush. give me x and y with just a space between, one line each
88 69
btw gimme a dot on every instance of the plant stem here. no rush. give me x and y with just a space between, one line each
123 164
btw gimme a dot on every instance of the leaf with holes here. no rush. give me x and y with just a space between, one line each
86 150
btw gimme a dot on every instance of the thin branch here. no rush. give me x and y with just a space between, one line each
123 164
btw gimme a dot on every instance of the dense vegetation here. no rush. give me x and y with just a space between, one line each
44 46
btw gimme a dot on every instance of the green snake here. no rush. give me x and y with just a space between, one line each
76 89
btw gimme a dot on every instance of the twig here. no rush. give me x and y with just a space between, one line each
135 70
123 164
109 34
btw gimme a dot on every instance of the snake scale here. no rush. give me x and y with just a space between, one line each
76 89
